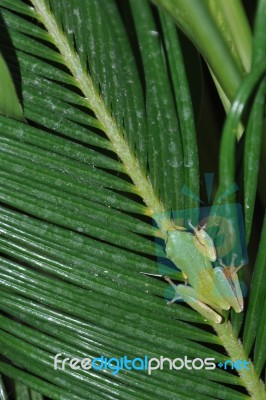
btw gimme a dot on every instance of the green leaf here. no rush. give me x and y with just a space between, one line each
184 108
234 26
228 144
165 144
109 143
256 126
3 395
260 346
22 392
196 20
255 318
9 102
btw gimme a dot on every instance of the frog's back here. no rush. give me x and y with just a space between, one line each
196 267
181 249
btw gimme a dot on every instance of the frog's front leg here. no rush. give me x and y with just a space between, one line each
191 297
177 296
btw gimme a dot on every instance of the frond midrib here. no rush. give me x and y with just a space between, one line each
109 126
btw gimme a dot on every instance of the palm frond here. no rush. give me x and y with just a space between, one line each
109 142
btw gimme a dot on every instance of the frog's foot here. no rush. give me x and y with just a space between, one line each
176 298
232 268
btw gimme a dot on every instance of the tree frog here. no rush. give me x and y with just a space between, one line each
211 289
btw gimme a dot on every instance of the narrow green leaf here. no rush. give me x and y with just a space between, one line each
19 7
227 149
35 396
164 146
252 154
40 385
22 392
227 167
256 126
260 345
233 24
257 295
195 19
184 109
9 102
3 395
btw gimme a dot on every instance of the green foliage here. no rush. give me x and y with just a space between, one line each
109 143
9 102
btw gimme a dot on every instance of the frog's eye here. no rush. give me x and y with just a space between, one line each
204 242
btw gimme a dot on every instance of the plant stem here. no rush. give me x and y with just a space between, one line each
235 350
